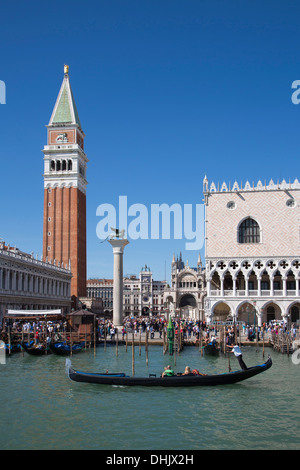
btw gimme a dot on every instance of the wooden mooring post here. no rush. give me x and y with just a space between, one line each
146 347
281 342
132 353
140 342
95 336
117 341
165 343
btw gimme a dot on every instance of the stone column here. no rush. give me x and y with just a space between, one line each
208 286
234 287
222 287
272 287
259 287
118 246
284 293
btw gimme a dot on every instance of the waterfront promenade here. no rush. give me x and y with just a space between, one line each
158 339
148 332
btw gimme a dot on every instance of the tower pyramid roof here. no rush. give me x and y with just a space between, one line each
65 110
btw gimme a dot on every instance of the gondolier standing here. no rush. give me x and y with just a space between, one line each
238 353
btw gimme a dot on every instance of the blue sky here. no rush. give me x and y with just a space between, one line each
167 91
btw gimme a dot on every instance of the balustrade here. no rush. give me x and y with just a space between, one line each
252 293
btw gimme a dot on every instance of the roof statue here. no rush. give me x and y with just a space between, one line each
117 233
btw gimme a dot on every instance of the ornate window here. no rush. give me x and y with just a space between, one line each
249 231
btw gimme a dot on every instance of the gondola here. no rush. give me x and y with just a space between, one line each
211 349
174 381
61 348
13 348
36 349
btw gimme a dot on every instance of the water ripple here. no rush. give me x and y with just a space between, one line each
43 409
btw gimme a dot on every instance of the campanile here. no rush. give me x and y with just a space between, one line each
64 233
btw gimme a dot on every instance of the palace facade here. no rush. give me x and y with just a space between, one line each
252 251
27 283
141 295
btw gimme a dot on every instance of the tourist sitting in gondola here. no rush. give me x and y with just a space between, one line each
187 371
168 372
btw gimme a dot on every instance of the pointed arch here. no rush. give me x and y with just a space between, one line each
249 231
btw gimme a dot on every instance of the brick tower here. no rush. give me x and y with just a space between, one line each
64 234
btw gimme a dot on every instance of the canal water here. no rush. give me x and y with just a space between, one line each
41 408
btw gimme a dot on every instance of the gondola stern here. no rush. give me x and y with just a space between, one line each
68 367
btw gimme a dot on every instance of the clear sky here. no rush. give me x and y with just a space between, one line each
167 91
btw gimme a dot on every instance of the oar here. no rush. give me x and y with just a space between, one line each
229 368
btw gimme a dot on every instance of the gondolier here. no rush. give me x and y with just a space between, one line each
238 353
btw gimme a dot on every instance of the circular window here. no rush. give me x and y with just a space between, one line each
291 203
231 205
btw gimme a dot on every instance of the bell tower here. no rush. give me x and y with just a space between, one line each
64 232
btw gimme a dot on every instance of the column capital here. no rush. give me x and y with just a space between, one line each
118 245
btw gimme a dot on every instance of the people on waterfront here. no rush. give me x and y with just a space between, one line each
236 350
190 329
112 332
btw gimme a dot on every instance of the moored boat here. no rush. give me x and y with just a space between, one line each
13 348
211 349
61 348
36 349
173 381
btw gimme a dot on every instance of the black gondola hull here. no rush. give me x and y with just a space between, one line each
13 348
36 351
65 350
175 381
211 350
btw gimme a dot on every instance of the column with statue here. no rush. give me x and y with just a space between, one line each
118 243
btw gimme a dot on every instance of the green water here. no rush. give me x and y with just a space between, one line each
42 409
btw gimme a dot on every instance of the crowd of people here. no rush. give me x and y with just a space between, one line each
155 326
190 329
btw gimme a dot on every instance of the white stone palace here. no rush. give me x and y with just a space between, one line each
252 251
28 283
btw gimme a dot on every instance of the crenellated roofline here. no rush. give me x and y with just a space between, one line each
259 186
